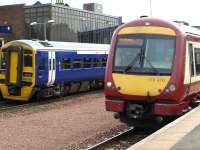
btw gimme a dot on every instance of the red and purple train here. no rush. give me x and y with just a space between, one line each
153 70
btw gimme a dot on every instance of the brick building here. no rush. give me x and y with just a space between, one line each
13 15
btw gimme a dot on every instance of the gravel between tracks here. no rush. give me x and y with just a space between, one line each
67 124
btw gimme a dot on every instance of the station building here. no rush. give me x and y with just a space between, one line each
60 22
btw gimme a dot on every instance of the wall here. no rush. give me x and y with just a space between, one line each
13 15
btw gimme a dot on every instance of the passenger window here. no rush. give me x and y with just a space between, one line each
94 62
197 60
191 60
104 60
28 58
87 63
65 63
2 61
42 64
98 62
77 63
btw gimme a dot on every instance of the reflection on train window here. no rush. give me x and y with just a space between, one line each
28 58
124 55
96 62
77 63
159 52
42 64
65 63
87 62
197 60
2 61
152 54
104 60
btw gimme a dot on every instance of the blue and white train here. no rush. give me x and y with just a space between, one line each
47 68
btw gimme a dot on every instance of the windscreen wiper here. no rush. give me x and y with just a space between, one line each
152 67
132 63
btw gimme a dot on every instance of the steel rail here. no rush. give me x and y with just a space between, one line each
112 139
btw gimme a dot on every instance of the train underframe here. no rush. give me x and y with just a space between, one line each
146 114
66 89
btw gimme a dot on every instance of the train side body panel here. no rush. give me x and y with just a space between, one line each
44 68
41 73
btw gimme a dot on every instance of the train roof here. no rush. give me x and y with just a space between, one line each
64 46
179 27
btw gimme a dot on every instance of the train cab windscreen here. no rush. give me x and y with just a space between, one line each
144 54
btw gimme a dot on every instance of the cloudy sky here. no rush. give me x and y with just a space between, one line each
182 10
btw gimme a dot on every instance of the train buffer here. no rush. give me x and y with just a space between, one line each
181 134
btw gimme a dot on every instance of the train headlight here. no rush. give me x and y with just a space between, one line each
171 88
109 84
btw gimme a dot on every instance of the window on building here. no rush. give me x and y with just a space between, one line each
65 63
28 58
77 63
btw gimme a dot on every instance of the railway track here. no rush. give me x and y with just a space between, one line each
122 140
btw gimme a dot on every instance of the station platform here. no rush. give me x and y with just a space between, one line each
181 134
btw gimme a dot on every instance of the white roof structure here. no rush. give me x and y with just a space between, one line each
84 48
187 29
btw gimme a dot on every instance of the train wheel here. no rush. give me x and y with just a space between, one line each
74 88
85 86
65 89
37 97
92 85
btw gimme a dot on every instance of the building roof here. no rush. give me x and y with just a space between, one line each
68 7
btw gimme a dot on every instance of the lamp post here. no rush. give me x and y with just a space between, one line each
44 25
150 7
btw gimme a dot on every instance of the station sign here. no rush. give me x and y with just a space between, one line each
7 29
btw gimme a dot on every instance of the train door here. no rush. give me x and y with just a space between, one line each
51 67
13 67
13 56
191 71
42 67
